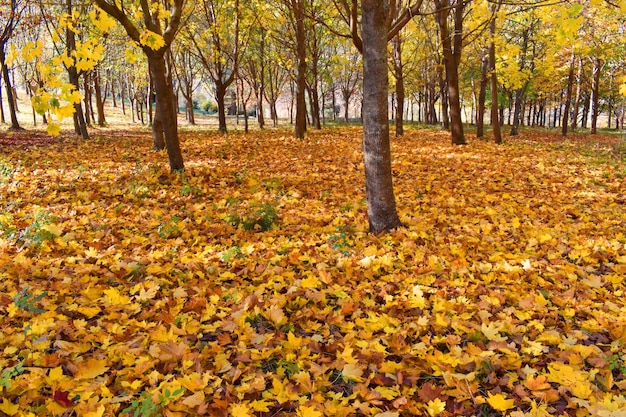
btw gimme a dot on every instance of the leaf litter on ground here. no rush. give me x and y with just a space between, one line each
249 286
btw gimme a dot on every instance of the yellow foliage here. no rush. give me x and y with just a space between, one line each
152 40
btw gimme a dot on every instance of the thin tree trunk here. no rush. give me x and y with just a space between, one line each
495 123
80 125
400 94
568 96
595 94
10 98
300 127
99 98
482 95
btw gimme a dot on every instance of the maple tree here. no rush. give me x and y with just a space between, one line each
153 28
10 15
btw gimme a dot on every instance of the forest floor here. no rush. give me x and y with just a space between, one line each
248 284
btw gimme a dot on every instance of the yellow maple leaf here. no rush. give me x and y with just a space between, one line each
310 282
305 411
261 405
240 410
435 407
9 408
492 332
499 402
91 368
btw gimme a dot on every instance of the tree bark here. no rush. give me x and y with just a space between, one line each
568 95
99 98
381 204
400 92
80 125
519 93
482 94
220 97
167 113
595 94
579 80
9 89
452 45
495 123
299 14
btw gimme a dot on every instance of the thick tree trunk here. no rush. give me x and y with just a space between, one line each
400 93
165 98
10 98
568 95
300 128
495 123
595 94
220 96
158 135
381 204
482 94
451 60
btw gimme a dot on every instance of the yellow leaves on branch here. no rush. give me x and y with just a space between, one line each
152 40
101 20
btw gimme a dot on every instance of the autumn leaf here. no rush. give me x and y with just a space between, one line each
435 407
499 402
91 368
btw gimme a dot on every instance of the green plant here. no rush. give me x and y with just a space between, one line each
37 232
187 189
340 240
25 300
234 252
617 363
144 407
209 107
169 229
255 216
8 374
5 171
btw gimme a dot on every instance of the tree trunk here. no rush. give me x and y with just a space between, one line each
80 126
445 114
10 98
595 94
99 98
495 123
300 128
568 96
191 117
451 60
400 93
381 204
158 135
482 95
220 96
165 97
577 98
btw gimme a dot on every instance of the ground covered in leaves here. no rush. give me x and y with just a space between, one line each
249 286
